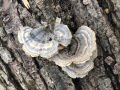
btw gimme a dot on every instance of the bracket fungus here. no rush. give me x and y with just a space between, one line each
80 50
42 41
76 59
82 69
37 42
78 70
63 34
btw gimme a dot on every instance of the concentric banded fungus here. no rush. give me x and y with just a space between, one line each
38 42
63 34
80 50
76 59
79 70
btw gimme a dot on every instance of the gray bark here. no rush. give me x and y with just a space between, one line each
21 72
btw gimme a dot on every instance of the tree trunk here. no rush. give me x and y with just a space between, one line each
21 72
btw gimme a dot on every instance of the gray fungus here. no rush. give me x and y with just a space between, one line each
63 34
78 52
38 42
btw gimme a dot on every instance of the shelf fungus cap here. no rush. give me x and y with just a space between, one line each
82 69
79 70
38 42
87 40
63 34
80 50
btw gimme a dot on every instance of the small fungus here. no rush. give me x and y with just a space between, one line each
38 42
78 70
63 34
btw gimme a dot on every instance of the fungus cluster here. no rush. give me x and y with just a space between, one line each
76 55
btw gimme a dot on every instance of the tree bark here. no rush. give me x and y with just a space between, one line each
21 72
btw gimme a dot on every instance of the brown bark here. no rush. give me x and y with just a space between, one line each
21 72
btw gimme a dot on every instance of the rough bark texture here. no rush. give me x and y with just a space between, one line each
21 72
